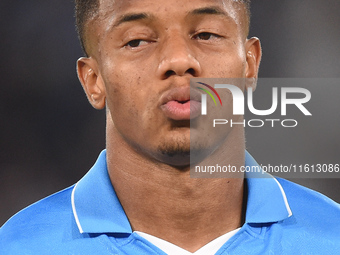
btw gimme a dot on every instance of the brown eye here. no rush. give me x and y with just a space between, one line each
204 36
134 43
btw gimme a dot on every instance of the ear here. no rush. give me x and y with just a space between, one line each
253 58
92 82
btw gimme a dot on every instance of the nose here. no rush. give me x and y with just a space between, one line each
177 59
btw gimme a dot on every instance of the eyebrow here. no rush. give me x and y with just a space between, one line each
132 17
208 10
129 17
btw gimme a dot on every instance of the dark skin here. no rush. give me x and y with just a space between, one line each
133 62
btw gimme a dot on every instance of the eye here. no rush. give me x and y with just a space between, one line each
206 36
136 43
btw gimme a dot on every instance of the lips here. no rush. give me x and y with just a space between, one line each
180 104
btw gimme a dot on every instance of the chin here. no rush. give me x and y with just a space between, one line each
175 152
182 153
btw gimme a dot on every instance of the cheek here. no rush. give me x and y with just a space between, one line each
224 66
121 83
122 98
132 101
125 110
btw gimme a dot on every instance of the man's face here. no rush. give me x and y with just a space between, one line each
147 51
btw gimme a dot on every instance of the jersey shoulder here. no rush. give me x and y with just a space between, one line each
312 208
39 223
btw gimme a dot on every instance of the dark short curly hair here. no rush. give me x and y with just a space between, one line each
86 10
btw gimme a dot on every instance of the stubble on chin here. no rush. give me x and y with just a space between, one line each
182 151
179 146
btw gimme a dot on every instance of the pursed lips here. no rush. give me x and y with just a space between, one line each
181 103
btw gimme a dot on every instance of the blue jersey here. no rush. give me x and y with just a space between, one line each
87 218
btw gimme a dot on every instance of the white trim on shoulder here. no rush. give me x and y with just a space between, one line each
284 198
75 211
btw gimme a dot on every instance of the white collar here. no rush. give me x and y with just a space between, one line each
172 249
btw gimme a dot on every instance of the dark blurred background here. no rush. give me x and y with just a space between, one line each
50 136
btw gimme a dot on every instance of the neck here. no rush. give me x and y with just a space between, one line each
163 201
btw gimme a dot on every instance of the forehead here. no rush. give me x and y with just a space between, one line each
112 10
168 12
